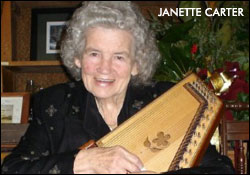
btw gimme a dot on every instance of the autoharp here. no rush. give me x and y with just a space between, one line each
173 131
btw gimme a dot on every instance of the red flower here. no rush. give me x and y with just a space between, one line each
237 86
194 48
232 66
228 114
202 74
240 74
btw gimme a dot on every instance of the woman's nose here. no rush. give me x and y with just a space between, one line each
105 66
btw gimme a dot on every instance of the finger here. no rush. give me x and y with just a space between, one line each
129 166
131 157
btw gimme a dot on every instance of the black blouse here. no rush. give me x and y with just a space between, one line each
65 117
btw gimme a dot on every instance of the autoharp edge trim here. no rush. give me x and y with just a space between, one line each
192 128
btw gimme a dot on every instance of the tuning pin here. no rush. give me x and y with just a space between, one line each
203 126
196 84
211 109
202 118
214 101
186 161
195 143
199 125
207 117
211 100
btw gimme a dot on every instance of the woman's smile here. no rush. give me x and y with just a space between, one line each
103 82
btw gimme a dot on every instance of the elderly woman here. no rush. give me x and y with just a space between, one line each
110 50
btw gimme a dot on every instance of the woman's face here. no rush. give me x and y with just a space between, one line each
107 62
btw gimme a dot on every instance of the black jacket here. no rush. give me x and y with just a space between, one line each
65 116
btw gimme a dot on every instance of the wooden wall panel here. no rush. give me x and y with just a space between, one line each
6 40
43 80
22 33
7 78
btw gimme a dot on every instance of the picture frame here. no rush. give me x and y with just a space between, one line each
53 36
15 107
47 29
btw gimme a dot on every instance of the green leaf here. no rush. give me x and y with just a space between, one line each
243 97
241 115
184 62
177 32
242 35
224 35
166 56
168 68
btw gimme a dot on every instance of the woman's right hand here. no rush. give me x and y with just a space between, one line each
111 160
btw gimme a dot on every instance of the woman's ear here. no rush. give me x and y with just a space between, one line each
134 71
78 63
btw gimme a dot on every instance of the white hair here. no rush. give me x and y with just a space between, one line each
112 14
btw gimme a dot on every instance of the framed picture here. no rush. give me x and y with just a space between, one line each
47 28
53 36
15 107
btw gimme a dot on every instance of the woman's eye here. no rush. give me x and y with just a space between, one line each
94 54
119 57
